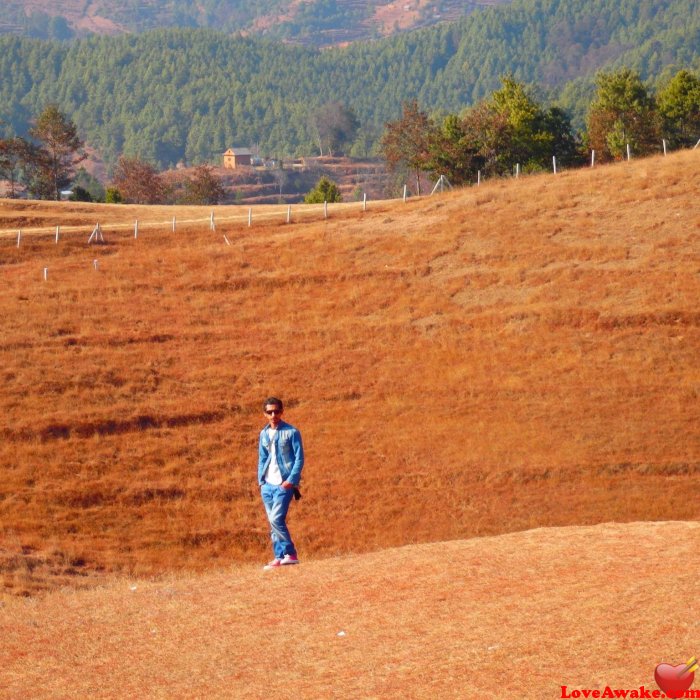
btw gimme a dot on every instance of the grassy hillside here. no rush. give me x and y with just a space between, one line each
517 355
518 615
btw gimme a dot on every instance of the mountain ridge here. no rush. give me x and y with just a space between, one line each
318 23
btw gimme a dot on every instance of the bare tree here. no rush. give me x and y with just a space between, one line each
204 187
407 141
138 182
280 176
334 126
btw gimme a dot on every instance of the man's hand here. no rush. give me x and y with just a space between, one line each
287 485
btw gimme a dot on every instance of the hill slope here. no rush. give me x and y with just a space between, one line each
518 615
516 355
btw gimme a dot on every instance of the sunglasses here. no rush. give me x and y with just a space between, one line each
274 412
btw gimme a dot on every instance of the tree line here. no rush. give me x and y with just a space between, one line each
45 164
508 128
187 95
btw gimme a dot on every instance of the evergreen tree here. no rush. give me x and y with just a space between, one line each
113 196
13 155
325 191
565 144
528 142
90 184
453 153
80 194
535 134
490 133
679 107
58 139
623 112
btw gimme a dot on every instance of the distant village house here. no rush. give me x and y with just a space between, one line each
237 157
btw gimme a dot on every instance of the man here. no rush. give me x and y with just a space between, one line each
280 461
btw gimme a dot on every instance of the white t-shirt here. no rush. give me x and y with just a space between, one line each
273 475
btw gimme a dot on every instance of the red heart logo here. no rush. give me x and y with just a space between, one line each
673 680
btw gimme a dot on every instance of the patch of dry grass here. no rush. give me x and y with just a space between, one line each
517 615
496 359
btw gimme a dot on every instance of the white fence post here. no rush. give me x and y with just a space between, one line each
364 201
405 192
664 143
46 273
173 224
517 170
212 227
58 230
478 177
289 214
592 158
96 234
19 237
554 164
136 228
250 217
629 153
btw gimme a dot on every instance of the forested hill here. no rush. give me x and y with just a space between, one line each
174 94
311 22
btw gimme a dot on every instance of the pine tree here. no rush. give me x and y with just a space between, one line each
679 107
60 146
623 112
325 191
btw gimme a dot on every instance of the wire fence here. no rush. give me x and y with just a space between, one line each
289 212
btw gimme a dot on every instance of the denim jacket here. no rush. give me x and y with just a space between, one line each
290 453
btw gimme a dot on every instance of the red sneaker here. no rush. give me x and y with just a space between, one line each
288 559
273 564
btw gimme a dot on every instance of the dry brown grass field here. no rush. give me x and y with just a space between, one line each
512 616
496 359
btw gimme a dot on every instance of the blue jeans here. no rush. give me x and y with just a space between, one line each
276 501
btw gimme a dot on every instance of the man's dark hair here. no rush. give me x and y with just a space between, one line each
273 401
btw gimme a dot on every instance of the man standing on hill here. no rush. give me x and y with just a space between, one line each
280 461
